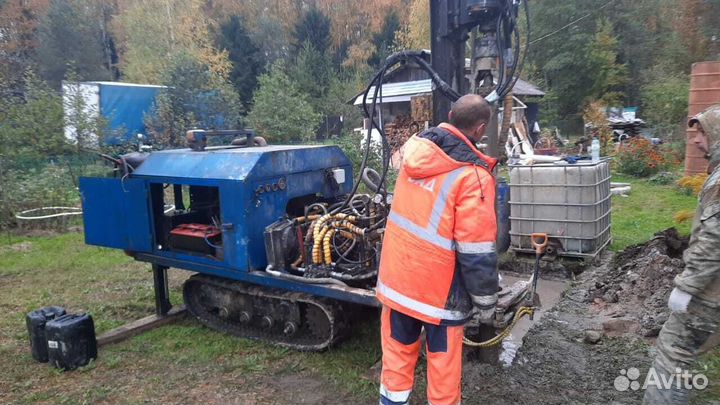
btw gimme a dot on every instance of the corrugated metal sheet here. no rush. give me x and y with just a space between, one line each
123 84
398 92
403 91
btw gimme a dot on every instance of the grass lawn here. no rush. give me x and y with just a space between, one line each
649 208
179 363
187 363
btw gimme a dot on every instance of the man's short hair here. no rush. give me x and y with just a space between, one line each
469 111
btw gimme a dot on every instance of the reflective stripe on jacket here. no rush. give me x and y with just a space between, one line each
439 244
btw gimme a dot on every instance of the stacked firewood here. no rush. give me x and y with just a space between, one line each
400 129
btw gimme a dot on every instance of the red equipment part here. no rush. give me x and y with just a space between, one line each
199 238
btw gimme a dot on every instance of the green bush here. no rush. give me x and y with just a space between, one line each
663 178
638 157
352 144
28 184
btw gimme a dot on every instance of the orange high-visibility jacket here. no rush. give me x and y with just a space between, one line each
438 255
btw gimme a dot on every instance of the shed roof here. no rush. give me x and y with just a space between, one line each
403 91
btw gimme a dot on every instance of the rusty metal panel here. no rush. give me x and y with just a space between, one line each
704 92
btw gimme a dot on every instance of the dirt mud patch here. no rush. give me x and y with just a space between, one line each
632 296
555 364
21 247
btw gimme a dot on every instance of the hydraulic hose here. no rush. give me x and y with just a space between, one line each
371 178
325 280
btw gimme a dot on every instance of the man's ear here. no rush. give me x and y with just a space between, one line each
450 115
480 130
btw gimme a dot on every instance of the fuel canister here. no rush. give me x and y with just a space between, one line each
35 322
71 341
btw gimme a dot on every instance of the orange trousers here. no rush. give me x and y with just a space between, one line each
400 335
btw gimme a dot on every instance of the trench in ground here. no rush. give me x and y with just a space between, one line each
549 292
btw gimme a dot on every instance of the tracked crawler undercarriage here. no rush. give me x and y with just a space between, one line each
290 319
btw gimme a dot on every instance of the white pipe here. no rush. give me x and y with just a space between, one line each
70 211
540 158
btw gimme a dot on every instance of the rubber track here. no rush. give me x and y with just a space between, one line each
305 339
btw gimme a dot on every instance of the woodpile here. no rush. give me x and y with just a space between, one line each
400 129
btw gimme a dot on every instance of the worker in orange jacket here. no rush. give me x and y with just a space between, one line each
438 258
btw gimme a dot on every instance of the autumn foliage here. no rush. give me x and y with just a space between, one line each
639 157
692 184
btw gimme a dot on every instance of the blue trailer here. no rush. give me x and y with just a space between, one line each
122 105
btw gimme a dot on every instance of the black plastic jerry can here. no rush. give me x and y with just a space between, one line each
71 341
35 322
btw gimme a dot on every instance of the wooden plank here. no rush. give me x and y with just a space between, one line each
141 325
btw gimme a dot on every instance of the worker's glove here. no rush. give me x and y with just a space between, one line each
485 307
679 300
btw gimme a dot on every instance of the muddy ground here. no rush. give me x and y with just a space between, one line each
622 302
186 363
555 365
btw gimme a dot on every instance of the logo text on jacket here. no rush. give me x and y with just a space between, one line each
427 184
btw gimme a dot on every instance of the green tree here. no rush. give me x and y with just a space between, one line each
384 40
313 69
69 35
607 75
84 124
665 99
194 97
561 57
710 28
313 28
312 73
280 111
336 102
272 39
248 61
32 127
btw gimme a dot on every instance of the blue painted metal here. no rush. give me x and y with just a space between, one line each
124 106
116 213
349 294
254 185
503 215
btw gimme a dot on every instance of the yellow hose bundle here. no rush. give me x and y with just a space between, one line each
322 231
327 245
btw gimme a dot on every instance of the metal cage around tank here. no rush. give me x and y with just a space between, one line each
569 202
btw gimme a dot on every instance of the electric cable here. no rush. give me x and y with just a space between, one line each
573 22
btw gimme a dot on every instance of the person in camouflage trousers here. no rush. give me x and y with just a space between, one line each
695 300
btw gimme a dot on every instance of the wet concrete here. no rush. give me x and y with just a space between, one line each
549 292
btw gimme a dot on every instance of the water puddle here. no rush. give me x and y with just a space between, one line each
549 291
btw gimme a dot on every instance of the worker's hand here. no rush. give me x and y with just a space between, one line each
485 307
679 300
